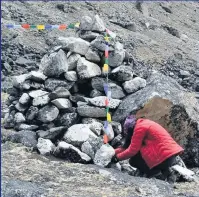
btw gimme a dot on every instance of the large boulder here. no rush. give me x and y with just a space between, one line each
86 69
76 45
71 153
59 92
78 134
166 102
72 61
55 64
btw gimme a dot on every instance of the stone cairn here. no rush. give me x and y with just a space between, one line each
60 109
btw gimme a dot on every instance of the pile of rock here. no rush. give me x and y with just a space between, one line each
60 108
53 108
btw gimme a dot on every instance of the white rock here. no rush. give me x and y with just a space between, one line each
18 80
41 100
62 103
71 76
134 85
37 93
45 146
104 155
96 127
19 117
37 76
98 24
78 134
100 102
183 171
24 99
76 45
88 149
86 69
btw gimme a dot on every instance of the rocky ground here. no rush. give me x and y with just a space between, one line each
164 36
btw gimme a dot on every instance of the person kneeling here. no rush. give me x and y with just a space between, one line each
149 147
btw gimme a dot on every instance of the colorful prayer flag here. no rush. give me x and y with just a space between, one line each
108 117
105 139
40 27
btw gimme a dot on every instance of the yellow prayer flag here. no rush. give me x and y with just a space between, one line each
77 24
40 27
106 38
105 68
108 117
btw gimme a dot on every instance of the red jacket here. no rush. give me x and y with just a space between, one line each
153 141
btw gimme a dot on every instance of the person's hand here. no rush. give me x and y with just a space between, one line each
114 159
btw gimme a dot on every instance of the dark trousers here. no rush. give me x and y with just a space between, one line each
138 162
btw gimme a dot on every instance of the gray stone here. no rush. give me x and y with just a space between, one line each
37 93
76 45
71 76
100 44
23 61
104 155
98 24
25 137
37 76
91 146
52 134
19 117
48 114
45 146
90 120
116 91
59 92
86 69
24 99
62 103
78 134
88 35
71 153
32 113
184 73
100 102
52 84
67 119
18 188
96 127
122 73
54 65
117 141
93 24
88 111
92 55
134 85
116 58
72 61
26 127
164 101
20 107
87 148
95 93
18 80
80 103
28 84
7 67
8 121
41 100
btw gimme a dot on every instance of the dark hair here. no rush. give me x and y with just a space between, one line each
128 137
